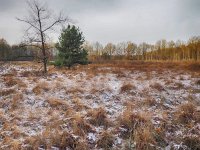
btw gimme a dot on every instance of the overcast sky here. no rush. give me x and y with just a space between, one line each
114 20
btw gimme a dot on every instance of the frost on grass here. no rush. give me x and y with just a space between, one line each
98 107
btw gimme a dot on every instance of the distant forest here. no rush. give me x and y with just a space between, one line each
22 52
162 50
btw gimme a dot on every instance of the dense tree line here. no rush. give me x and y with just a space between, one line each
14 52
161 50
23 52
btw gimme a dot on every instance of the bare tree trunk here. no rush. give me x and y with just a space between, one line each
43 43
44 55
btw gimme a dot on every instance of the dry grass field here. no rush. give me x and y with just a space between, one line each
118 105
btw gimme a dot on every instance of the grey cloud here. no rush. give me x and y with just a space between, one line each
6 5
115 20
189 9
76 6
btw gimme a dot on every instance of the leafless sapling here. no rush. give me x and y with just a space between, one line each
41 22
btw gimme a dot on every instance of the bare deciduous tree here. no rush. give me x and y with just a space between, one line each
41 21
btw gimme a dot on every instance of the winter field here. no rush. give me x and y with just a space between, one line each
120 105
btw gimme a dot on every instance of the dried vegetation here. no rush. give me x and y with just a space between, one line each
108 105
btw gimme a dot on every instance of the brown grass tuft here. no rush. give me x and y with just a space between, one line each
168 81
21 84
78 105
149 102
106 140
16 100
94 90
192 142
194 67
7 140
143 137
58 104
70 112
54 123
131 121
34 142
16 132
198 82
41 87
10 81
179 85
7 92
157 86
67 141
74 90
31 73
37 90
130 105
15 145
186 112
98 117
33 116
118 72
80 126
126 88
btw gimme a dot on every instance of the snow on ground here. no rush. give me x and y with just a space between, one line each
39 103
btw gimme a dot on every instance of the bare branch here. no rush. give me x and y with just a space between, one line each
59 20
28 29
28 22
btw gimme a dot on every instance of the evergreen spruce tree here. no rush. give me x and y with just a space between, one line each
70 48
